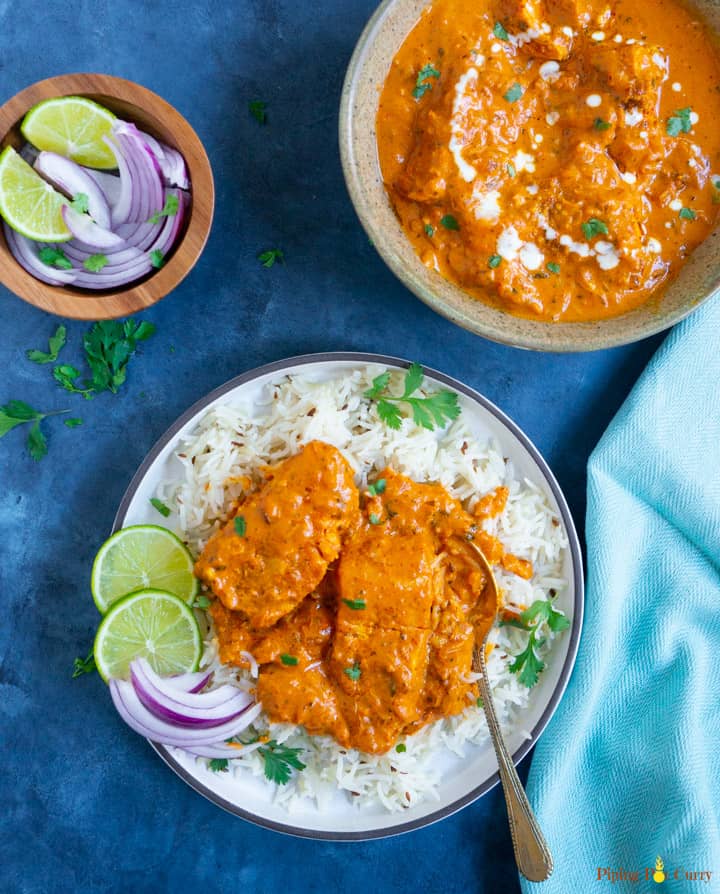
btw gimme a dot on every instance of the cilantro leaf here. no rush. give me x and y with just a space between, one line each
160 506
390 414
288 660
679 122
401 748
510 168
258 109
240 525
157 259
379 384
218 764
500 32
279 761
514 93
353 672
377 488
357 605
429 230
374 518
594 227
55 257
80 203
73 423
108 346
84 665
494 261
422 82
202 602
687 214
600 124
56 342
269 257
37 442
95 263
413 380
65 376
170 208
553 267
527 665
449 222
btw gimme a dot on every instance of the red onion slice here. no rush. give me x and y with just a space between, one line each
142 235
89 233
172 164
25 253
147 195
71 179
143 721
190 682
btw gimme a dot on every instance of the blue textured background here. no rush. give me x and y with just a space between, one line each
85 805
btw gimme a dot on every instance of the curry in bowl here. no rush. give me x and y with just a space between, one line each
556 159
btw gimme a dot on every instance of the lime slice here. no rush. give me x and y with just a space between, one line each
142 556
148 624
71 126
29 204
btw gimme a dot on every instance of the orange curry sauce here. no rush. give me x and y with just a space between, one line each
360 609
555 158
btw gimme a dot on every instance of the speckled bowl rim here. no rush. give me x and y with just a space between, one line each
281 366
498 326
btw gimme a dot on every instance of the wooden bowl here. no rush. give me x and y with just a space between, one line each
698 280
158 118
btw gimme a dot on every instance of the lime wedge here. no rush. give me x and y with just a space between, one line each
71 126
142 556
29 204
150 624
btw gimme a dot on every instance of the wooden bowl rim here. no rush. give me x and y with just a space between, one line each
83 305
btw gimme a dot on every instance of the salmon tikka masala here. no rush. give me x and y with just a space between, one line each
558 159
358 608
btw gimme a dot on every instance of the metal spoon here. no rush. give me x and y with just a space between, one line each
532 854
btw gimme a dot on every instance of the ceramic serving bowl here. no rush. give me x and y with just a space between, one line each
384 34
158 118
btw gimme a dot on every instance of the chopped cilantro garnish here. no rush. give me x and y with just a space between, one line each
375 519
449 222
687 214
600 124
494 261
56 342
514 93
258 109
157 258
401 748
279 761
55 257
202 602
95 263
422 83
160 506
172 204
480 703
430 229
528 664
553 267
240 526
357 605
17 412
269 257
679 122
353 672
500 32
377 488
438 409
73 423
218 764
289 660
84 665
80 203
594 227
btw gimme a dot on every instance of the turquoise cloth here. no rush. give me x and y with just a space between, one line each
629 768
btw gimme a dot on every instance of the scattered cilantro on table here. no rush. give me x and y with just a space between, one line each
258 109
17 412
84 665
269 257
528 664
280 761
56 343
438 409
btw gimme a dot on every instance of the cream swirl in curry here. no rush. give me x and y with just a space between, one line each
559 159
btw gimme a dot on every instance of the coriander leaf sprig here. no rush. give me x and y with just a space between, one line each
17 412
438 409
56 343
528 664
280 761
84 665
423 82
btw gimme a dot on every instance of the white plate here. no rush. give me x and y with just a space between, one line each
465 780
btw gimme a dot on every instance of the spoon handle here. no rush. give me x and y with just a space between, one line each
532 854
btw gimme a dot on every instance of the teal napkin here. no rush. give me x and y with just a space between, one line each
629 768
